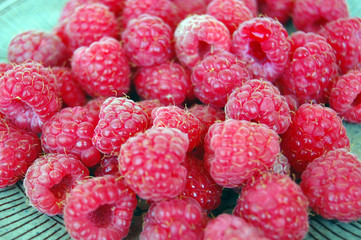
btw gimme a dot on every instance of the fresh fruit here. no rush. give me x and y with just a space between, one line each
280 10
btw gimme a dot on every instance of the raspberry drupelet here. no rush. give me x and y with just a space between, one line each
108 165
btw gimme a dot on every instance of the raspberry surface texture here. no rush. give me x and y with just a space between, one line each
95 103
148 106
280 10
190 7
108 165
4 66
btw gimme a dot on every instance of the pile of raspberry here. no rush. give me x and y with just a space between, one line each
178 105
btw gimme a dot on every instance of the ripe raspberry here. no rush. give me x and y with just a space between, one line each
100 208
168 82
259 101
29 95
230 12
275 204
237 150
311 16
102 68
345 96
4 67
119 119
332 183
280 10
95 103
262 43
344 37
197 35
315 129
227 226
148 106
215 77
18 150
69 132
70 91
174 219
50 178
107 166
175 117
151 163
252 5
190 7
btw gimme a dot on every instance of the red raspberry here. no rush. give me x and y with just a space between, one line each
315 129
102 68
280 9
175 219
4 67
313 68
275 204
190 7
237 150
168 82
119 119
107 166
345 96
70 91
196 35
227 226
292 101
230 12
148 106
70 131
175 117
50 178
151 163
262 43
344 37
311 16
259 101
18 150
100 208
95 103
332 183
29 95
215 77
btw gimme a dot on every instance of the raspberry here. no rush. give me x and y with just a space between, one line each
29 95
190 7
292 101
168 82
226 226
196 35
100 208
102 68
4 67
107 166
345 96
70 91
315 129
259 101
280 10
151 163
276 205
95 103
215 77
174 219
311 16
262 43
313 68
69 132
147 41
332 185
175 117
237 150
230 12
18 150
252 5
344 37
148 106
50 178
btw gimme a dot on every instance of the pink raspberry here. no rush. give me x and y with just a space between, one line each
175 117
344 35
252 5
332 184
292 101
102 68
95 103
4 67
69 132
230 12
275 204
311 16
108 165
50 179
18 150
280 9
174 219
101 207
237 150
259 101
315 129
29 95
168 82
262 43
190 7
119 119
148 106
150 163
197 35
215 77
